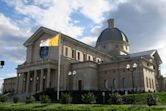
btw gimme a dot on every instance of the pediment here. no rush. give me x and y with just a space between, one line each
37 35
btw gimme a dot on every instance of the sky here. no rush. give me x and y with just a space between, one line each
143 21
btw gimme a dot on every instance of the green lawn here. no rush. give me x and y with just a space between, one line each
71 107
141 98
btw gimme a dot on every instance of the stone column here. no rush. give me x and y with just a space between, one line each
41 80
48 78
17 85
27 82
34 81
20 82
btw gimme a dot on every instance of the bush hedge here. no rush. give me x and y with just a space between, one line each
16 99
30 99
3 99
115 99
66 98
44 99
128 99
152 99
88 98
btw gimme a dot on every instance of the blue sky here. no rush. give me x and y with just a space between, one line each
143 21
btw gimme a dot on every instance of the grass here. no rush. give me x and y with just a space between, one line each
141 98
76 107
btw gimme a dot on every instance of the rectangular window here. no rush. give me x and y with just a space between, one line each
73 53
66 51
79 84
89 58
78 55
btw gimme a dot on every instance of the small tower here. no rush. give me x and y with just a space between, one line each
113 41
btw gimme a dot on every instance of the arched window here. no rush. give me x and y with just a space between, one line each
124 83
147 82
114 83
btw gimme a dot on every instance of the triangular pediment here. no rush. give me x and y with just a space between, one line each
37 35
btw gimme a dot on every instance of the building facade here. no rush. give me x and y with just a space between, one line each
106 67
9 85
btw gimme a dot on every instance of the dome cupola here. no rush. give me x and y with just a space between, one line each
112 40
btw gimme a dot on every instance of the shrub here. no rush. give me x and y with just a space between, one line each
3 99
152 99
44 98
128 99
89 98
30 99
115 99
66 98
15 99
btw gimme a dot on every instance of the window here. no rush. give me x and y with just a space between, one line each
78 55
79 84
66 51
98 60
73 53
44 52
147 82
105 84
123 82
114 83
89 58
152 84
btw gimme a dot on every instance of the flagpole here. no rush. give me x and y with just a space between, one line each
59 66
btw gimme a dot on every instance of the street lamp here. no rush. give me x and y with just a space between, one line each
132 68
71 74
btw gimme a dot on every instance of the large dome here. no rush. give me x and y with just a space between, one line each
112 34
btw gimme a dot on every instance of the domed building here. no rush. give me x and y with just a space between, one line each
60 63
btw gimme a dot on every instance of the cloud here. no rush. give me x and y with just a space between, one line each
11 39
8 26
143 22
90 40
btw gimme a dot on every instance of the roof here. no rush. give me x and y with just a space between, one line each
143 53
112 34
153 53
42 29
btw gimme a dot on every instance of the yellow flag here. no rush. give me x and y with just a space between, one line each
54 41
